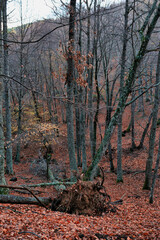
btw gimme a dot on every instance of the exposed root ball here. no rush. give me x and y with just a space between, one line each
85 198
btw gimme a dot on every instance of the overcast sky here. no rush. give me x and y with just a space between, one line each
34 10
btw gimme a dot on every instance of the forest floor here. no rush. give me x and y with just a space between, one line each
135 218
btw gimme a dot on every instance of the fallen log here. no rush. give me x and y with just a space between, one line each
23 200
49 184
23 188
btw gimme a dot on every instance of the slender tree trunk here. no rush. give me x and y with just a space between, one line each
153 130
78 124
123 62
145 131
9 163
2 157
155 174
140 99
147 98
96 77
19 120
150 81
69 82
90 79
132 122
83 130
83 104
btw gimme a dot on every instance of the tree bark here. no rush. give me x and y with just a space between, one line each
2 157
155 175
23 200
69 82
153 130
9 162
123 63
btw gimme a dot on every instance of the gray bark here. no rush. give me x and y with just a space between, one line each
23 200
19 120
90 77
95 47
2 158
155 175
149 162
140 99
123 62
9 162
132 122
145 131
69 82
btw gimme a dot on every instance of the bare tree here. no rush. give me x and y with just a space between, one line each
69 82
2 157
126 91
9 163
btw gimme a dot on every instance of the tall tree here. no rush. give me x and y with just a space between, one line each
2 157
19 120
149 162
123 63
70 82
9 163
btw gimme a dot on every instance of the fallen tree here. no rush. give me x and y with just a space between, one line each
23 200
86 198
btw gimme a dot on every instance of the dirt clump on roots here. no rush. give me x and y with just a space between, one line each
83 198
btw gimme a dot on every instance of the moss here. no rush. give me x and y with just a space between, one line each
119 181
4 191
88 174
158 122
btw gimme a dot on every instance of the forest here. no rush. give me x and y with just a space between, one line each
80 122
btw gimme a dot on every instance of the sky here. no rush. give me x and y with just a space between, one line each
34 10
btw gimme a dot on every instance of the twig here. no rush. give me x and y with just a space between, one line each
14 210
30 233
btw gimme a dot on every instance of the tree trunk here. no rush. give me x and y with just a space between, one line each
155 174
23 200
145 131
95 46
123 62
9 162
140 99
2 157
90 80
19 120
153 130
132 122
69 82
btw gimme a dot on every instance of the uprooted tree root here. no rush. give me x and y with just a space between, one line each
83 198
